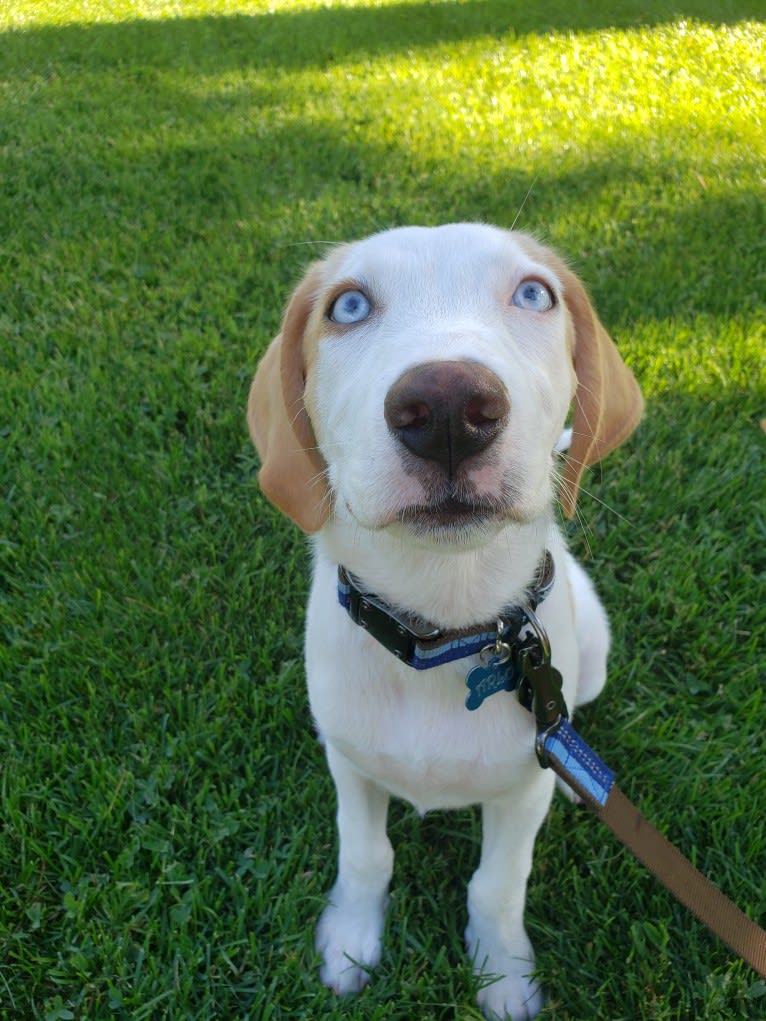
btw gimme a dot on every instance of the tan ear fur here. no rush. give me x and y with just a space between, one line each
293 472
607 404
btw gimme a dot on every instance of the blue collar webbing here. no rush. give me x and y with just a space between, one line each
422 645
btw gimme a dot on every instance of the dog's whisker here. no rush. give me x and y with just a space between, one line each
519 211
308 244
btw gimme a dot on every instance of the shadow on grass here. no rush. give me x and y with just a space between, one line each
251 155
242 177
206 189
315 38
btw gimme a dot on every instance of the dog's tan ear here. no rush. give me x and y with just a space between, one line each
293 472
608 402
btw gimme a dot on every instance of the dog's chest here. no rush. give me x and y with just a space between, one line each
454 760
410 730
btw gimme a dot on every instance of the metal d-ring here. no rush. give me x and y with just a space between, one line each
539 632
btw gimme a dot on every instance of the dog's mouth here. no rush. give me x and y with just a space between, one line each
452 513
450 516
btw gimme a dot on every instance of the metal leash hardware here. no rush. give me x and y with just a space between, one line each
496 670
500 652
540 687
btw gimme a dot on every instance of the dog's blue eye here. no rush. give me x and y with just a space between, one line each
533 296
350 307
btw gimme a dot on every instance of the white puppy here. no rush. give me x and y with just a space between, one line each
407 416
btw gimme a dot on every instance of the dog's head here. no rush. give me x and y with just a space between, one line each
422 378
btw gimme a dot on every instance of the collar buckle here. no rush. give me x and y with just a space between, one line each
398 632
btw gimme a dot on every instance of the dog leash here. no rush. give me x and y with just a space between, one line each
559 746
516 654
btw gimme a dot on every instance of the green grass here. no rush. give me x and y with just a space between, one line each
165 170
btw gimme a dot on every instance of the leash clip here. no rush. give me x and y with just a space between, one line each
540 690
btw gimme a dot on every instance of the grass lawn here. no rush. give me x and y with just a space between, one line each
166 169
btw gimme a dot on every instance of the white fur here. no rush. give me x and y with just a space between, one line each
440 294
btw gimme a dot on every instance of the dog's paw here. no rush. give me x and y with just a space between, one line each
509 989
349 940
519 999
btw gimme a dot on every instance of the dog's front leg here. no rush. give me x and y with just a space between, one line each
497 940
351 927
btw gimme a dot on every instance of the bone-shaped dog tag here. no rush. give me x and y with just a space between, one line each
484 680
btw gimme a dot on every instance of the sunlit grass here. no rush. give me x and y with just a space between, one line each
166 170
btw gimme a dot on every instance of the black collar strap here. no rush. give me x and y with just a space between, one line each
422 645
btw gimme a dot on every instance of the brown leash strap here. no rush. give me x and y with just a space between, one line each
684 881
562 748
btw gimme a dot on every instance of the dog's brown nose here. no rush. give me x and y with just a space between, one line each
447 411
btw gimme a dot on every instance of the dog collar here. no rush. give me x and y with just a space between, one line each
422 645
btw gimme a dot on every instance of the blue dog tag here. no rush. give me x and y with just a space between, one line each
483 681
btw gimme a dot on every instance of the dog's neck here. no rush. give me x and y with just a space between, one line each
450 585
